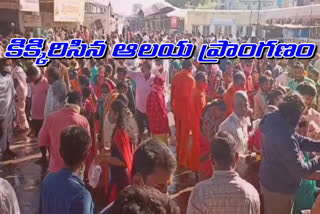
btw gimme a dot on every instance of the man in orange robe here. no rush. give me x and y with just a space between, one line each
198 102
182 85
239 84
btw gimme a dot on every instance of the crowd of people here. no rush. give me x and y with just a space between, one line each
249 129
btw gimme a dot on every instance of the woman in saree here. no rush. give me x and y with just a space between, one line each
88 110
212 116
119 155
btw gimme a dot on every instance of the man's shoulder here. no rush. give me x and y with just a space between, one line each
50 179
203 186
226 123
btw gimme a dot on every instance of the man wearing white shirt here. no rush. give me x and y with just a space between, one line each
158 69
237 125
144 82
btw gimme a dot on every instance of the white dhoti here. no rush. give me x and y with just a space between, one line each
7 94
7 126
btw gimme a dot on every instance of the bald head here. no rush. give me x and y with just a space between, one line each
240 103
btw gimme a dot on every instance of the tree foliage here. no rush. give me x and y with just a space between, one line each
185 3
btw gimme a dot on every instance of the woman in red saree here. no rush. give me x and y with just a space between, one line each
88 110
119 156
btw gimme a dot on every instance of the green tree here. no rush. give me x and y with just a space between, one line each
185 3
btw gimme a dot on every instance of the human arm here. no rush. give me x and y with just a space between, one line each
105 157
44 136
307 144
133 74
291 157
257 108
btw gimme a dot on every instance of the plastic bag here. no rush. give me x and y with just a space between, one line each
94 175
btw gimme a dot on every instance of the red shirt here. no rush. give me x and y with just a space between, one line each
39 95
157 112
51 130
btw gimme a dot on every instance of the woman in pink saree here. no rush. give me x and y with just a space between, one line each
212 117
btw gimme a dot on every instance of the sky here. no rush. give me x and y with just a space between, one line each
124 7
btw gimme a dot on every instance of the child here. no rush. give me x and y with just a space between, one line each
39 90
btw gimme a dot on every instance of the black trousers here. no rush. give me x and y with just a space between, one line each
36 125
142 121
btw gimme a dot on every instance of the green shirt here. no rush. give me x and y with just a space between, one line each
305 195
293 84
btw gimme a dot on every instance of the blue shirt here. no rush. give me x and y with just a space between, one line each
63 192
282 167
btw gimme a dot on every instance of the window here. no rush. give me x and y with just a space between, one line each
227 30
195 29
206 30
93 9
217 29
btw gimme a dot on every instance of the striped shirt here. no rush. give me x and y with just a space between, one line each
224 193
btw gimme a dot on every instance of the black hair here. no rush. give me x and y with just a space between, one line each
53 72
200 76
143 200
223 149
84 80
298 65
123 98
263 79
108 69
292 108
306 88
238 76
74 145
74 97
121 85
201 68
126 121
186 64
156 154
86 72
32 71
273 96
86 92
122 69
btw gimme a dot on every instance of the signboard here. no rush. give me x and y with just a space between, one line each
218 21
9 4
31 20
29 5
174 22
102 2
68 10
